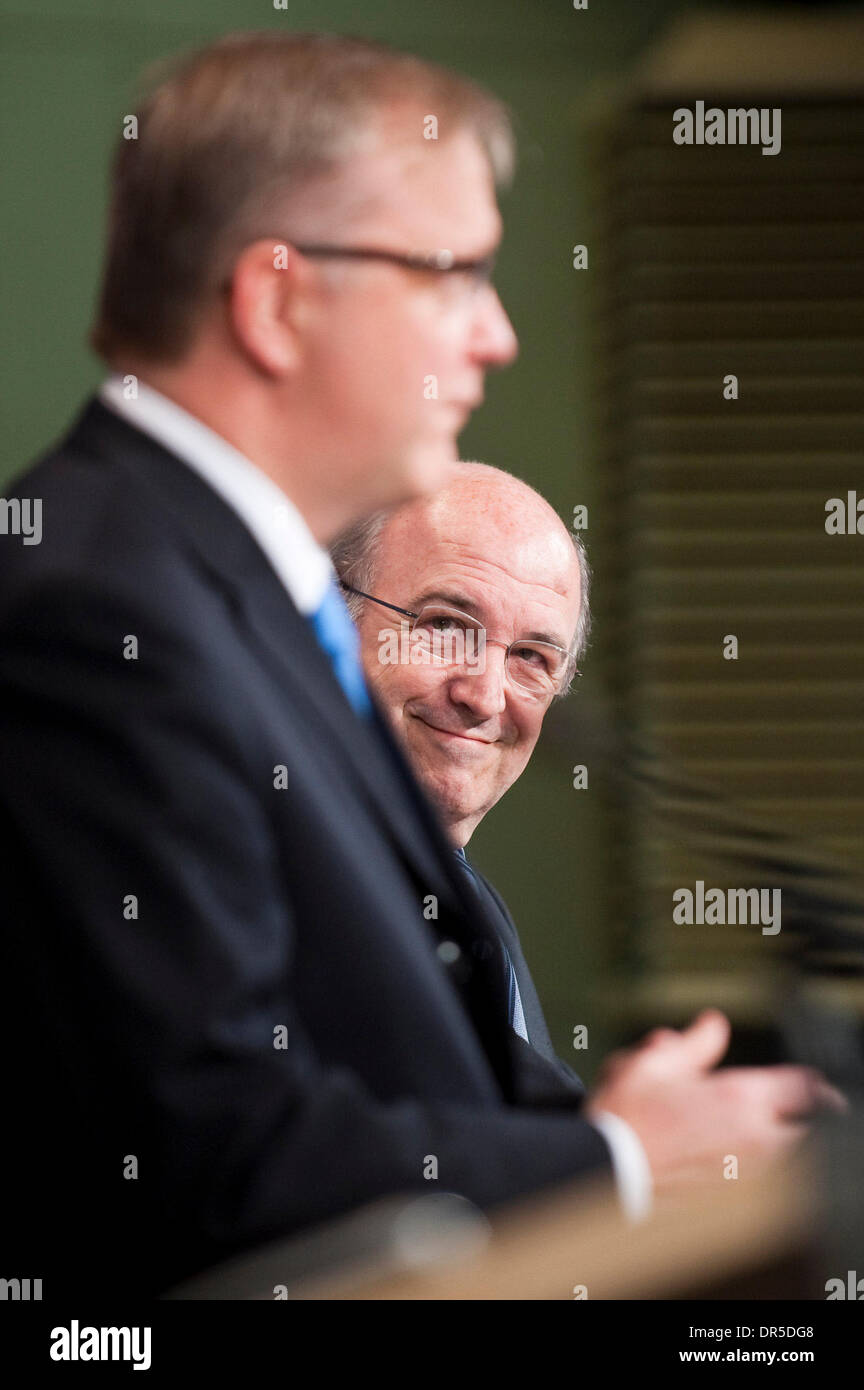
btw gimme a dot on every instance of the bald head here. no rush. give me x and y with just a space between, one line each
475 489
492 547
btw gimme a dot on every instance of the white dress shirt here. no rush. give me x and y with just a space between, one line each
305 569
629 1164
303 566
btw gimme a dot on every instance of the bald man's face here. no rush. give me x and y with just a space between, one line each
499 554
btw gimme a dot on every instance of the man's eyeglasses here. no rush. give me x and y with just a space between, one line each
448 636
476 271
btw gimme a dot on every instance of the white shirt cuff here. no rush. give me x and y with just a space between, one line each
629 1164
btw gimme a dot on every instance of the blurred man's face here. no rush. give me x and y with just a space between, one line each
507 561
396 358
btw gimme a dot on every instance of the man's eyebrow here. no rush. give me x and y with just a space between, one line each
446 596
468 605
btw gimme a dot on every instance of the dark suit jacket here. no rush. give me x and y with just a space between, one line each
222 1009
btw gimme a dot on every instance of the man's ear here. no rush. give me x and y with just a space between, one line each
268 284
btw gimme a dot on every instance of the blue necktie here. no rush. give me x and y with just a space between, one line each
338 638
515 1011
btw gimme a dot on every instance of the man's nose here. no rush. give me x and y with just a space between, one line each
494 337
482 689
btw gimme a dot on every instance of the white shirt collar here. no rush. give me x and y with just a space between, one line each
302 565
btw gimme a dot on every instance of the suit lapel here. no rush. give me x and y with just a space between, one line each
535 1020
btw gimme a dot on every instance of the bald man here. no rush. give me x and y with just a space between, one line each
488 592
466 740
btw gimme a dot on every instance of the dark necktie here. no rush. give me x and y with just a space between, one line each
515 1011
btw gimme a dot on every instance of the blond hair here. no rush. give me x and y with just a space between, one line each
227 137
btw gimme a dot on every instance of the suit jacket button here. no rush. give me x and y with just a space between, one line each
448 952
458 966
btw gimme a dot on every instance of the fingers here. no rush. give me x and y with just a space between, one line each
803 1090
829 1098
786 1092
703 1043
707 1038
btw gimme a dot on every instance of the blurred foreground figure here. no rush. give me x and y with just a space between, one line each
226 1015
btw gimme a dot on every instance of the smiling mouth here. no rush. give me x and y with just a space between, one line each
452 733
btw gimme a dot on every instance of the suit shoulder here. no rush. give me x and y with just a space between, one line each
100 531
